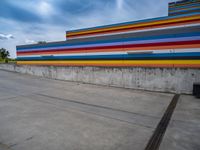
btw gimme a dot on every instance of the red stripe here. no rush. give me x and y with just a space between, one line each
119 46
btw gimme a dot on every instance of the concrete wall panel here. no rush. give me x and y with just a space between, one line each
175 80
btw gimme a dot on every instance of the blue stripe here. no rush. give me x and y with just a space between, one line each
193 34
114 56
164 40
132 22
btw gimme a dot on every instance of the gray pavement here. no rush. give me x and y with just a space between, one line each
183 132
39 113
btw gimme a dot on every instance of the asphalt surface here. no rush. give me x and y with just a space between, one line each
39 113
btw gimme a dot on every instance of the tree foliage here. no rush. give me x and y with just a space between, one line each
41 42
4 54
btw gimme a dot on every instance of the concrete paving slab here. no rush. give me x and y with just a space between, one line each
107 112
39 113
183 132
137 102
29 124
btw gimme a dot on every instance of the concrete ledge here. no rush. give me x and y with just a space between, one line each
175 80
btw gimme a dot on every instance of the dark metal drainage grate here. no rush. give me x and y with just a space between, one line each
159 132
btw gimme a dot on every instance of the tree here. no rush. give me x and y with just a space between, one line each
4 54
41 42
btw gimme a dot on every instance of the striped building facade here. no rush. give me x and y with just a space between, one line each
171 41
183 7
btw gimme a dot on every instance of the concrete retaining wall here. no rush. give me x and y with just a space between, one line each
174 80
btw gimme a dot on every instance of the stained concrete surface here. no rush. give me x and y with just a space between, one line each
176 80
183 132
39 113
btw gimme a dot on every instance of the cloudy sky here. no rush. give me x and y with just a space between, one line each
29 21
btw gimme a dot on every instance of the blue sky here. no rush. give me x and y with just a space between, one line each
29 21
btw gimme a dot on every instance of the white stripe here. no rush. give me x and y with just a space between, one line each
187 50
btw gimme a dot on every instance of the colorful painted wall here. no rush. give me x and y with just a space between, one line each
171 41
184 7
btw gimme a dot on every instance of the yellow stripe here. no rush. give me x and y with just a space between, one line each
137 25
113 62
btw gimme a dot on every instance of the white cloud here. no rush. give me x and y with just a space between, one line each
28 33
6 36
44 8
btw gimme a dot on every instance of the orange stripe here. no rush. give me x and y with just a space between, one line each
133 29
124 65
187 65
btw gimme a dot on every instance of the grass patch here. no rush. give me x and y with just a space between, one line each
9 60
